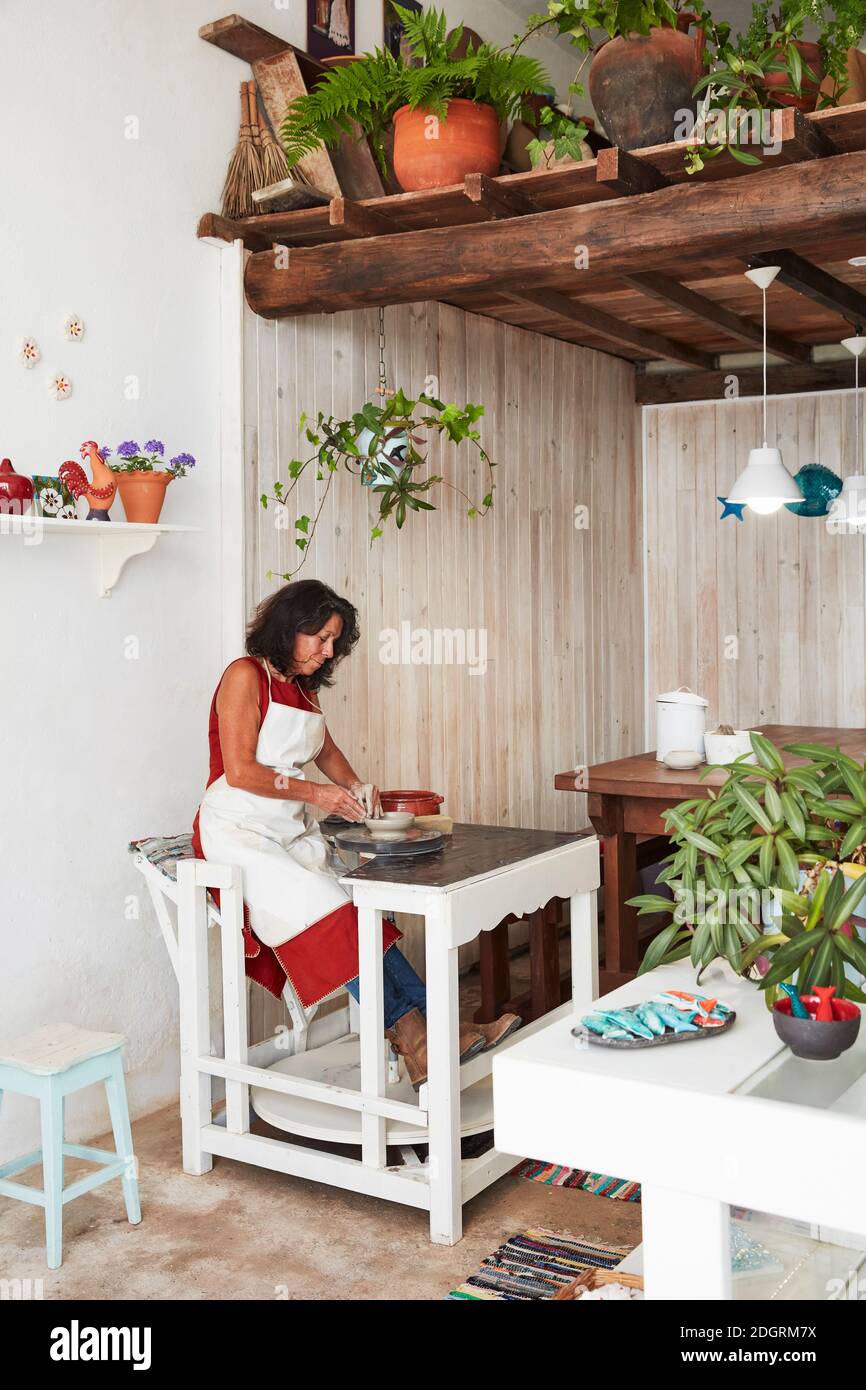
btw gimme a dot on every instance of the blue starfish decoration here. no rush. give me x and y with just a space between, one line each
731 508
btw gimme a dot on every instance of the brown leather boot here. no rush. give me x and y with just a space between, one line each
409 1037
500 1029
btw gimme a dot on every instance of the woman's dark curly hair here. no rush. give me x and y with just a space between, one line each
304 606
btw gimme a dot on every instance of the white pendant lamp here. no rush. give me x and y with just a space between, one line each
852 499
765 483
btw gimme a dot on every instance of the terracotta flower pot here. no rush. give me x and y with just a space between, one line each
143 494
808 98
638 84
433 153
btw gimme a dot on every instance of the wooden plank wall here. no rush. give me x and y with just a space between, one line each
561 605
766 618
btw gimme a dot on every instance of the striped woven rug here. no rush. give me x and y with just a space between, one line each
620 1189
536 1265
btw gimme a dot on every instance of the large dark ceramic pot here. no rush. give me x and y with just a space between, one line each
638 84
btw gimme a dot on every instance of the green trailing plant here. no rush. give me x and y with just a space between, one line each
379 444
366 94
743 847
735 84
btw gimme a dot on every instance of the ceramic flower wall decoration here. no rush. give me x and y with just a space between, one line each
74 328
59 386
29 352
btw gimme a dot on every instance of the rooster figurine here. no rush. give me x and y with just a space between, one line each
101 491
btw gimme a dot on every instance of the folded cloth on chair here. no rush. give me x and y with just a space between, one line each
163 851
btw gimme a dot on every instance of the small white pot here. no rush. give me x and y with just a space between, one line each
726 748
681 718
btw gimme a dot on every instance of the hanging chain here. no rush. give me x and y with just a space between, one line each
382 389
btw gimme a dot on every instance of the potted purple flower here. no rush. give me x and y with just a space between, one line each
143 477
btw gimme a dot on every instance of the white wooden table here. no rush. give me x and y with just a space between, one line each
336 1089
485 873
731 1120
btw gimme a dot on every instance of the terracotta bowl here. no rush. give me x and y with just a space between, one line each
814 1041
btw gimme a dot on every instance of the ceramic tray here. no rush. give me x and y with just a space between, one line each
629 1044
411 841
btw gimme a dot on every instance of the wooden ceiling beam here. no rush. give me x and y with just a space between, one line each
815 283
213 227
674 388
497 198
355 220
686 301
625 175
629 335
621 237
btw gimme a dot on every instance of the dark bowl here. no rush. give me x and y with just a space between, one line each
814 1041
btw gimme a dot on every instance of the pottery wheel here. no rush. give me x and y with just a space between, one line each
412 841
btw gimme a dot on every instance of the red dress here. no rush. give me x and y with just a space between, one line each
324 956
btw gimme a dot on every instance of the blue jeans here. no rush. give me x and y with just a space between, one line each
403 990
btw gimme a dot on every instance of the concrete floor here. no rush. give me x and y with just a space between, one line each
246 1233
249 1233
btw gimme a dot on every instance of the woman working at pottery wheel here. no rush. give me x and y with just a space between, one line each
266 725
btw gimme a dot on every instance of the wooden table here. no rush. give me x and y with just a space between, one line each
627 798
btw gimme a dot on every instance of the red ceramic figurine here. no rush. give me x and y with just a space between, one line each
100 492
15 490
825 1008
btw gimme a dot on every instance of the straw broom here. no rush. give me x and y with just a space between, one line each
274 165
245 167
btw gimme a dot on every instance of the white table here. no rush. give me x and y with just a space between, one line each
730 1120
485 873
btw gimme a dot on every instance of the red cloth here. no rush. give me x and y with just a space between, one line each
323 957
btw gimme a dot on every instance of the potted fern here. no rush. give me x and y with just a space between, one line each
764 858
446 113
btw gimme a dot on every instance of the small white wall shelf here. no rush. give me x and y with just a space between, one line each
116 541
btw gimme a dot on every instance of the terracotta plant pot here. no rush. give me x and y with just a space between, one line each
638 84
433 153
419 803
143 494
808 98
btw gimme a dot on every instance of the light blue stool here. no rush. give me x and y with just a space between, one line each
50 1065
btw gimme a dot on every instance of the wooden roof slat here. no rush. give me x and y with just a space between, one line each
743 330
627 334
815 283
357 220
626 175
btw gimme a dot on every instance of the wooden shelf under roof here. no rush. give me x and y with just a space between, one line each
666 253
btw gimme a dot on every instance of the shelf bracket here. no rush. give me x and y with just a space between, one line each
113 552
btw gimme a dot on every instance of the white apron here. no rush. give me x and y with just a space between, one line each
288 881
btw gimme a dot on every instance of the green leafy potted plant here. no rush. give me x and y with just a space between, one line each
379 445
759 863
771 66
642 69
446 113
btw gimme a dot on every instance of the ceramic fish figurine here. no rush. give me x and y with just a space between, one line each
625 1018
798 1008
675 1019
647 1014
825 1008
599 1023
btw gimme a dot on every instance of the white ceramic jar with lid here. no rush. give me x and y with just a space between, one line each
681 721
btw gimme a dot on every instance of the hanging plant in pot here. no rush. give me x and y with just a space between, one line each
758 877
641 72
143 478
446 113
381 446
